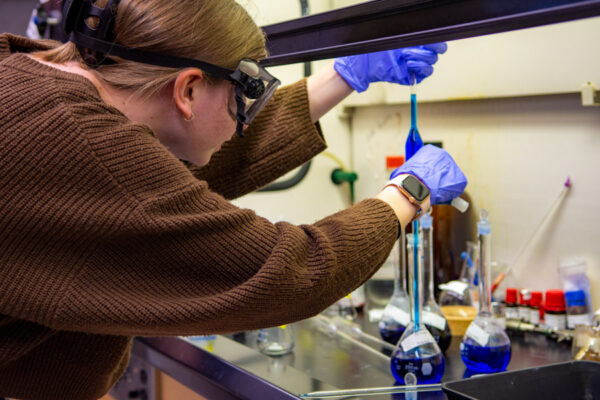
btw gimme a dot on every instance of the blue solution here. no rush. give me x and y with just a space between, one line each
390 334
485 359
427 370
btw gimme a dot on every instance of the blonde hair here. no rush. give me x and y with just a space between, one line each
216 31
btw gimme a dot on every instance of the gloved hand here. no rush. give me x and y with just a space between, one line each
401 66
437 170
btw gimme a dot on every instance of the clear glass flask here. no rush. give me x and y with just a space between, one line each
396 314
346 309
460 292
433 318
485 348
276 341
417 358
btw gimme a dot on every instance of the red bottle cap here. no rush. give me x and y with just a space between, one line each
511 296
393 162
524 297
555 300
536 299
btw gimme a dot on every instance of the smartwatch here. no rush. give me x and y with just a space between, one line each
412 188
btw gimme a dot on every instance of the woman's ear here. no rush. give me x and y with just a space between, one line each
185 90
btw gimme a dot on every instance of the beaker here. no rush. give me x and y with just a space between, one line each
417 358
276 341
433 318
396 314
485 347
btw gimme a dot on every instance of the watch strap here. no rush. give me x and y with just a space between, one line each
397 183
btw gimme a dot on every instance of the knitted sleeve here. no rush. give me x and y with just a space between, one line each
281 138
191 263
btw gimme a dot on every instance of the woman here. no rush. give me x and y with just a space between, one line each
106 234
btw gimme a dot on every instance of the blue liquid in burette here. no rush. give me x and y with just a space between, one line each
426 370
485 359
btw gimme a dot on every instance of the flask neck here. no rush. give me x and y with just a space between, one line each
484 270
428 278
400 284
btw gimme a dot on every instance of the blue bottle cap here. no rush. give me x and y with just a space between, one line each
575 298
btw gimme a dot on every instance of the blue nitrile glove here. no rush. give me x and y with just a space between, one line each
437 170
401 66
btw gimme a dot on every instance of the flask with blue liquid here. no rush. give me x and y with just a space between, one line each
485 347
433 318
417 358
396 314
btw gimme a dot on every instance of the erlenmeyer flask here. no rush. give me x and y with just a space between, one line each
396 314
276 341
433 318
417 358
485 347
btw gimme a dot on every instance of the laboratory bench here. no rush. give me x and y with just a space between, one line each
232 367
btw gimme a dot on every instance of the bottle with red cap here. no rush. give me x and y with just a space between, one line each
556 316
534 307
524 298
511 311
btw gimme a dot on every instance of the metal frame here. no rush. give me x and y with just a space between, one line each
203 372
386 24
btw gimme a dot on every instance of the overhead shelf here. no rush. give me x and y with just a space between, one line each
386 24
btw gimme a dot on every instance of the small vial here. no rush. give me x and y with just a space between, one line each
534 307
524 298
511 311
555 317
276 341
578 312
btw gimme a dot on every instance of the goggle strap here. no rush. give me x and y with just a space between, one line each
147 57
239 128
240 113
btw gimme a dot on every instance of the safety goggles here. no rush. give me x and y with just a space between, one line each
254 86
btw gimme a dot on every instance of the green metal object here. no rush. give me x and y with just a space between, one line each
339 176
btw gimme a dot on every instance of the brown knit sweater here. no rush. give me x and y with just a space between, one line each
105 235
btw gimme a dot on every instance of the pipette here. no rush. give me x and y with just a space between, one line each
563 193
435 387
417 358
413 144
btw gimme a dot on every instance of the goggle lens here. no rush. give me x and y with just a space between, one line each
254 86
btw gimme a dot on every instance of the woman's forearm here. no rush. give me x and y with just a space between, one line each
326 88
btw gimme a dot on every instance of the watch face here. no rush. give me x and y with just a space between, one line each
415 188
